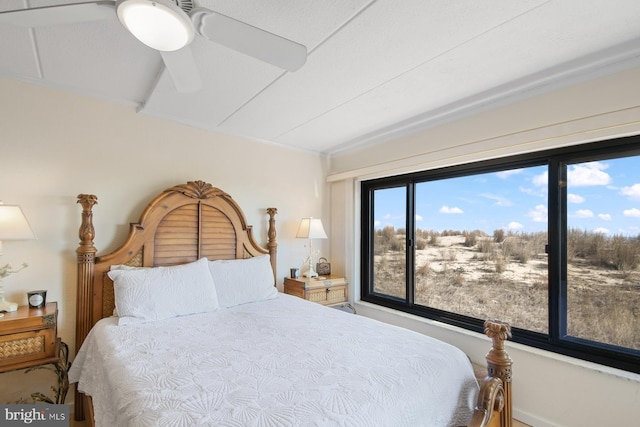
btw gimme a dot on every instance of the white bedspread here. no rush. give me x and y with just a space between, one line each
282 362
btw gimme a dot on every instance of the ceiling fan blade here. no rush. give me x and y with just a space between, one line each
60 14
249 40
183 70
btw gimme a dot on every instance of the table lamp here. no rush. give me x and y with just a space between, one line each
310 228
13 226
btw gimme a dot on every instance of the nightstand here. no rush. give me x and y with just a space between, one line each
326 290
29 340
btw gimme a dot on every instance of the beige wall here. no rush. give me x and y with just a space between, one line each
54 146
549 390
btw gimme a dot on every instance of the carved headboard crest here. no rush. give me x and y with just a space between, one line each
198 190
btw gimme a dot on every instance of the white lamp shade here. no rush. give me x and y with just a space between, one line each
13 224
160 24
311 228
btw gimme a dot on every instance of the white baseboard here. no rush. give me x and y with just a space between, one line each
532 420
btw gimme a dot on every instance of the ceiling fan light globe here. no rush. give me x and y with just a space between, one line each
159 24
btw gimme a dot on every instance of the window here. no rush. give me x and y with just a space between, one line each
549 242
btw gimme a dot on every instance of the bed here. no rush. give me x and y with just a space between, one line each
182 325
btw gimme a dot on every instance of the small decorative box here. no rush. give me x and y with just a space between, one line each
323 268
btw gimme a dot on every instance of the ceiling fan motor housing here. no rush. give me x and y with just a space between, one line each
185 5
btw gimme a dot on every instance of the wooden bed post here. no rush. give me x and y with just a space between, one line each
86 260
86 253
499 364
493 408
271 244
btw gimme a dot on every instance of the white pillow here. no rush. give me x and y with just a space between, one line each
150 294
126 267
123 267
241 281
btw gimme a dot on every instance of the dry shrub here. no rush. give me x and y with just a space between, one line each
588 245
383 264
386 240
625 253
421 243
524 247
470 240
457 279
521 253
619 252
448 254
486 246
605 315
424 269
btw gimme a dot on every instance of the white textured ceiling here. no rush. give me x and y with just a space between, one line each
375 69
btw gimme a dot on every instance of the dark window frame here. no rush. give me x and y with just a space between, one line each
557 161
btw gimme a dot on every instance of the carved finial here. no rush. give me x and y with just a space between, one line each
87 232
87 201
272 229
498 332
198 190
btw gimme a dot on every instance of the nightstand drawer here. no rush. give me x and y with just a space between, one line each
28 337
27 346
332 295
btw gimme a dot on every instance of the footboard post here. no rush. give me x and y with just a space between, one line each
86 254
499 364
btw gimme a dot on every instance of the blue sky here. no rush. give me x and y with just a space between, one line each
603 196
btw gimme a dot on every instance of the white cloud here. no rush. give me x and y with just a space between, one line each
448 210
418 217
633 212
574 198
632 192
538 191
376 224
584 213
631 230
538 214
507 174
588 174
500 201
604 217
601 230
513 225
541 180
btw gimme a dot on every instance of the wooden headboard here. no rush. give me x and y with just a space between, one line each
182 224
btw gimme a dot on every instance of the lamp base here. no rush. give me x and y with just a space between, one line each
8 306
308 270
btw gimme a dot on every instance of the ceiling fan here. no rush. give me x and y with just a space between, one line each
169 26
